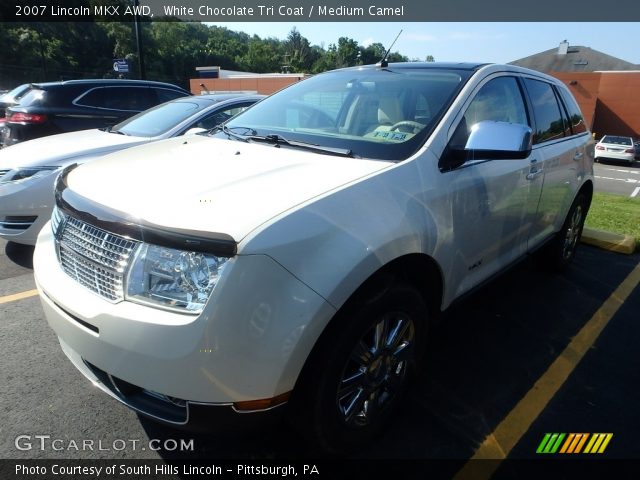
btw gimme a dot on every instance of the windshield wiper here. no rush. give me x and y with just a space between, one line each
280 140
109 129
230 133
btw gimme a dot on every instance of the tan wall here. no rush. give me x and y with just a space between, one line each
261 85
610 101
619 104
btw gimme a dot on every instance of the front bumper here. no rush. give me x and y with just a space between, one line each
25 207
192 416
249 343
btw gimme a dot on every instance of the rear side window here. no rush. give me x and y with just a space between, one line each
575 115
93 98
546 111
164 94
134 99
129 98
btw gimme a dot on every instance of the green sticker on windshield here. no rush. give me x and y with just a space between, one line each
394 136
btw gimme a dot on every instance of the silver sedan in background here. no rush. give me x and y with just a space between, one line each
28 170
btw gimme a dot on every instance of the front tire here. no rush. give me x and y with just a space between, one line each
358 374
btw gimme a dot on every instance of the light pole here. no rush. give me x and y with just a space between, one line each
141 73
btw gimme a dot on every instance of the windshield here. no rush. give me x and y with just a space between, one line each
160 119
616 140
372 113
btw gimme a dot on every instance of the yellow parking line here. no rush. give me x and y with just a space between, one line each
506 435
18 296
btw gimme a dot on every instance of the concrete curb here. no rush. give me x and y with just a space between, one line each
613 242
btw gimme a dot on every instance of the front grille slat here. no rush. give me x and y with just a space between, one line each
94 258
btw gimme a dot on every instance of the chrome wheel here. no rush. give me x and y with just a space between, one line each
376 370
573 232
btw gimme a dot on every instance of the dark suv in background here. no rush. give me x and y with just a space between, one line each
58 107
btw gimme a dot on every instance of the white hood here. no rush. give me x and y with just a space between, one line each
65 148
213 185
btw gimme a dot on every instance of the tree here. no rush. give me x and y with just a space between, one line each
347 53
298 51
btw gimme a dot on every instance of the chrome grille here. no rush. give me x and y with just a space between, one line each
95 258
2 172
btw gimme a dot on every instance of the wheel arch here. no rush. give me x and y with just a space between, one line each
416 269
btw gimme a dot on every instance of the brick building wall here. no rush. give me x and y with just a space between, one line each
610 101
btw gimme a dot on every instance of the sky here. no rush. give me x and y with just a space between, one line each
466 42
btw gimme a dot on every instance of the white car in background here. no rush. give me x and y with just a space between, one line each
28 170
616 147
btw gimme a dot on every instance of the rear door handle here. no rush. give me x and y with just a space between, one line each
578 155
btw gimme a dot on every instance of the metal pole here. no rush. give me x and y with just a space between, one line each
141 73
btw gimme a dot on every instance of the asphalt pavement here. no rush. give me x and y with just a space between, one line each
618 178
485 356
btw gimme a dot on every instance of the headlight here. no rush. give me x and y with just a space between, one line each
174 279
18 174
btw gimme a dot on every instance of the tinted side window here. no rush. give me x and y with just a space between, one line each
93 98
499 100
575 115
128 98
546 111
164 94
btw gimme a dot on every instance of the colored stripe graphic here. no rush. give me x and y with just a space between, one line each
550 443
598 442
574 443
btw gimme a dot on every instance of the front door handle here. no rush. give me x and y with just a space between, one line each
534 171
578 155
533 174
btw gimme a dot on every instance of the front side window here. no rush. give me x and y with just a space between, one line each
220 116
498 100
550 124
371 113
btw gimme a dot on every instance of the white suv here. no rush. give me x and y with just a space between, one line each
296 255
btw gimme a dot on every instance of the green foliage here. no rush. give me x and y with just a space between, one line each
615 213
172 50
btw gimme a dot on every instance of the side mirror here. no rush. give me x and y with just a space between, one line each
490 140
511 138
195 130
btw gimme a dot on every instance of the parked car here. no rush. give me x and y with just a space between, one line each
28 170
291 262
8 99
58 107
615 147
637 147
11 97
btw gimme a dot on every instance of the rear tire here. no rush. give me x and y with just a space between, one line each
562 249
357 376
